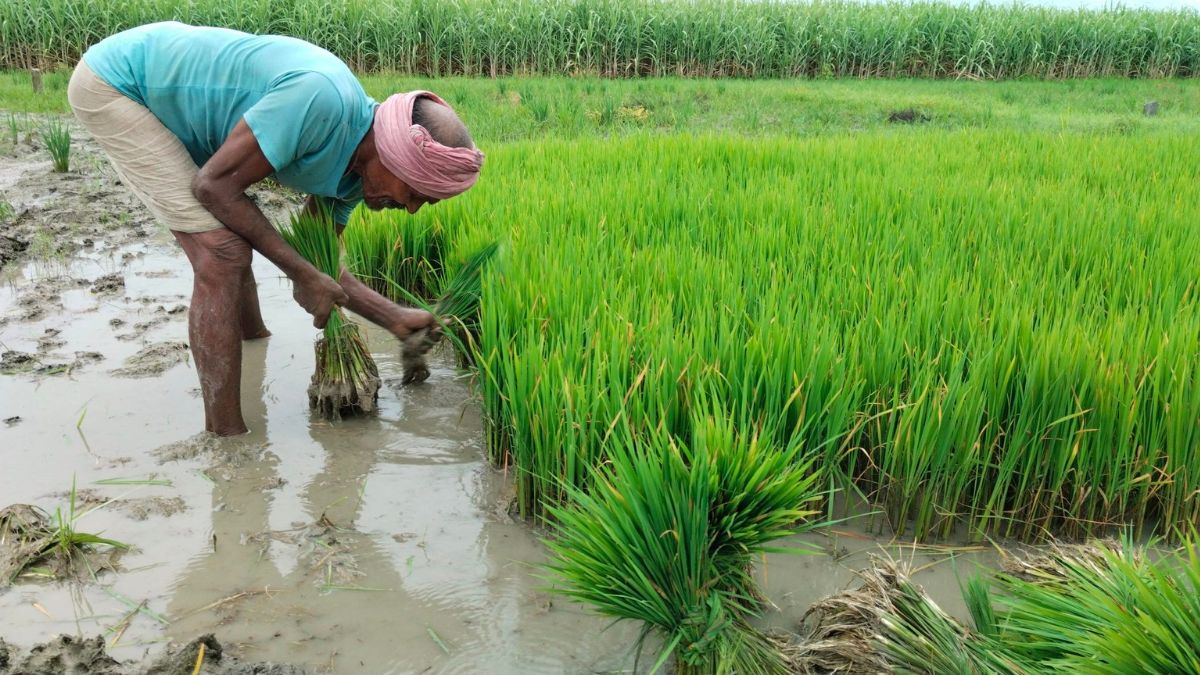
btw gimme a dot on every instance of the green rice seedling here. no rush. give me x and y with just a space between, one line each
57 137
388 252
990 362
66 538
668 536
346 379
457 312
14 129
1104 610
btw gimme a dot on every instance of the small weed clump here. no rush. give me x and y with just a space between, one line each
35 543
58 142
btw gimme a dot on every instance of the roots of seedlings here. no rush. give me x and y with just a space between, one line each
346 380
845 626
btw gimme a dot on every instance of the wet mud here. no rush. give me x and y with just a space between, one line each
67 655
375 544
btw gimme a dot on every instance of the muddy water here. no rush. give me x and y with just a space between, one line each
373 545
376 545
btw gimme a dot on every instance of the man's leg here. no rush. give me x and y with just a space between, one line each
220 263
251 320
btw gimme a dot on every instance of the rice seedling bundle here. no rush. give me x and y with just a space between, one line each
979 330
668 536
629 38
1090 608
346 379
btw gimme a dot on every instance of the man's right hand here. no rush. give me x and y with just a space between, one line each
318 296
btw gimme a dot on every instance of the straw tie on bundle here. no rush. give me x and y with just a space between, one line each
410 152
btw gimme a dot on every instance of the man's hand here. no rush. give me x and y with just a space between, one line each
318 296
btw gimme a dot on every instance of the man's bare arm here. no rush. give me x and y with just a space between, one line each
220 186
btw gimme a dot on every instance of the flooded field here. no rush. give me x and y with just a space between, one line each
375 545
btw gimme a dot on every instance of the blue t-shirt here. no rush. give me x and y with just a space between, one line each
304 106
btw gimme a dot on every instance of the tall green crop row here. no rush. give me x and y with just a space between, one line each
994 330
621 38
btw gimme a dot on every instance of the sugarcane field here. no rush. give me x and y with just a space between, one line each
705 337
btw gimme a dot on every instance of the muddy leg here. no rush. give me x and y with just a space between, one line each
220 260
251 315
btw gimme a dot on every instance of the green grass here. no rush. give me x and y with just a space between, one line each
57 138
506 109
626 38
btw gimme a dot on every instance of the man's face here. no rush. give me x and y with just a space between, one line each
383 190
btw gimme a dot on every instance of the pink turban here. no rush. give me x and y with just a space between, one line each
409 152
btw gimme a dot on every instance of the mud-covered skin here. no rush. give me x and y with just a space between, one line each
412 354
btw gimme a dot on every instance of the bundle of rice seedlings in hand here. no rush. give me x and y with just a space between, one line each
457 311
346 379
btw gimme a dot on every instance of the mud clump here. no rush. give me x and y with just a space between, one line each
227 452
142 509
137 508
412 355
27 539
11 248
74 656
49 340
153 360
13 361
109 284
66 654
216 662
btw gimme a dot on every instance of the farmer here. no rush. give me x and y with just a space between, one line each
191 117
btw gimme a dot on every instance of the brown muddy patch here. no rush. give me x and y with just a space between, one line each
53 214
67 654
153 359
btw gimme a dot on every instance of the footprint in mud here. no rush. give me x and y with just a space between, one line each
153 359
